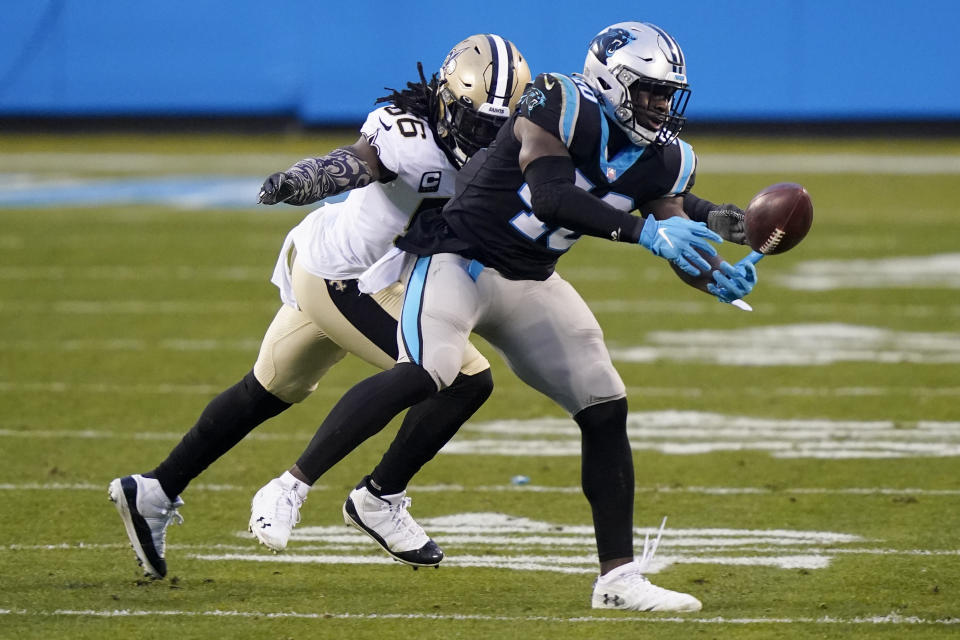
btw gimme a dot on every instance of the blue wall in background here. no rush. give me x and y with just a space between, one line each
325 61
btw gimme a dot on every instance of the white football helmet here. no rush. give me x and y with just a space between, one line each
480 83
639 72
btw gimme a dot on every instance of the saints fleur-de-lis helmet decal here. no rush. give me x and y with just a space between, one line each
480 83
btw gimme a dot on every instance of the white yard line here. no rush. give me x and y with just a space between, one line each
509 488
681 392
881 619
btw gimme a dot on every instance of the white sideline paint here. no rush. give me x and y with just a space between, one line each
795 345
888 619
936 271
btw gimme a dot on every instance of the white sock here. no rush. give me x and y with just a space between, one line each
619 571
289 481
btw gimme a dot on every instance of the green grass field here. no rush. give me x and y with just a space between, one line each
805 454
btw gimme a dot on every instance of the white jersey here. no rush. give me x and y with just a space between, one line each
340 240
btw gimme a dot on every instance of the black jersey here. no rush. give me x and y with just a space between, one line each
490 218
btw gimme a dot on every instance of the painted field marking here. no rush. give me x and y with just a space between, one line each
538 489
795 345
669 432
639 618
501 541
779 345
697 432
659 392
936 271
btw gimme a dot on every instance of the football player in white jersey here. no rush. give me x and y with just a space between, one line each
577 157
405 161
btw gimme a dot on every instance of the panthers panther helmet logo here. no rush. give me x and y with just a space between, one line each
607 43
629 62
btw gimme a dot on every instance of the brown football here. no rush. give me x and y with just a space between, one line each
778 218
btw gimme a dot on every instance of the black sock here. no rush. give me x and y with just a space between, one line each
224 422
427 427
607 476
361 413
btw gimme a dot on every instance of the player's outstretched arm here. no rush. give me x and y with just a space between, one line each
681 241
557 201
725 281
313 179
724 219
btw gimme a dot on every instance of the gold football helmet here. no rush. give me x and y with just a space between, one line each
480 83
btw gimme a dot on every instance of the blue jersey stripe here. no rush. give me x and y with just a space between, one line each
571 108
620 162
410 315
687 165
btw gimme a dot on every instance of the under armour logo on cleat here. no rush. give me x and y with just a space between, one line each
614 600
263 525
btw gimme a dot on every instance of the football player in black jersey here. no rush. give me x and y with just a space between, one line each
578 155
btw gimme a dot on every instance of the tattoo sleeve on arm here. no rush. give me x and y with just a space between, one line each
316 178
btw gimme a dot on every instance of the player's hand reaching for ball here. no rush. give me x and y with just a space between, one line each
677 239
733 282
727 220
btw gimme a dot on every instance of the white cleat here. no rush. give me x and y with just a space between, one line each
274 512
146 512
387 521
627 588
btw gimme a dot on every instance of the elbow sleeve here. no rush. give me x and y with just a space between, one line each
558 202
549 178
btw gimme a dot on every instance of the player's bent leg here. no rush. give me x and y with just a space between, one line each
362 412
146 512
385 519
224 422
275 511
361 324
551 340
427 427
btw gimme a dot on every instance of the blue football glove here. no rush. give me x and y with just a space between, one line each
676 239
734 282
